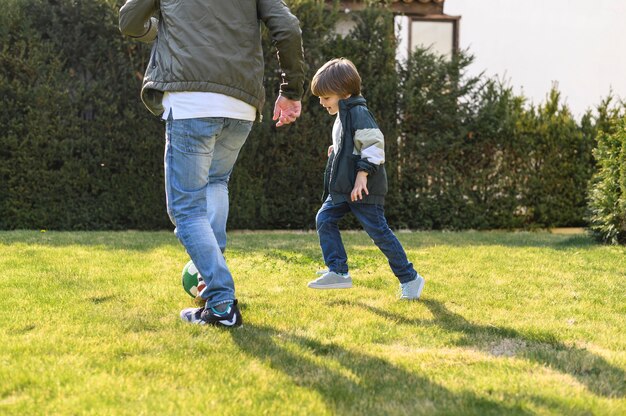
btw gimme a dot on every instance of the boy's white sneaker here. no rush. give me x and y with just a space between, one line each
412 290
331 280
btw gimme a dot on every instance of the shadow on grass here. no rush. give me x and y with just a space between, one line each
294 241
109 240
510 239
350 382
591 370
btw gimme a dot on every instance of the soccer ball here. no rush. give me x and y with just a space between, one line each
192 281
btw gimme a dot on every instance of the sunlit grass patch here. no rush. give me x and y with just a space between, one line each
509 323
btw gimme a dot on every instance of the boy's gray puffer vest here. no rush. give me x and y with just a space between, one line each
343 165
214 46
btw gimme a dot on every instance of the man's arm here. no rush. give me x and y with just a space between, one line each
286 35
136 20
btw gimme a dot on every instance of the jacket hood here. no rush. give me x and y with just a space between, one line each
352 101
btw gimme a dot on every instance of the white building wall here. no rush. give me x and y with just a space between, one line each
401 24
532 43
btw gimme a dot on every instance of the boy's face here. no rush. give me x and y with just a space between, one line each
331 102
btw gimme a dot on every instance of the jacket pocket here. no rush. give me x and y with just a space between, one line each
377 183
345 174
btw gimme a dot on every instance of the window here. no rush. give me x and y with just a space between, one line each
440 33
437 34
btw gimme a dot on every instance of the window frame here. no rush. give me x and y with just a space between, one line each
455 20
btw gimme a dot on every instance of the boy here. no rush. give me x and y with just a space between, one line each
355 181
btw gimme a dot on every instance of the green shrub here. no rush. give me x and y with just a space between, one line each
473 156
607 195
79 151
558 165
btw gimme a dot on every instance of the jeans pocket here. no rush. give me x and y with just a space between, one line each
235 134
195 135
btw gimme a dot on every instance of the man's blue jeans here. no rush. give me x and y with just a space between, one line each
372 218
199 157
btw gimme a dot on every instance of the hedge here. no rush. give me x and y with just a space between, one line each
79 151
607 196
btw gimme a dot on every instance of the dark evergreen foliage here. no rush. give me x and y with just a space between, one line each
607 193
79 151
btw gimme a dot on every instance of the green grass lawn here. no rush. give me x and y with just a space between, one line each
509 323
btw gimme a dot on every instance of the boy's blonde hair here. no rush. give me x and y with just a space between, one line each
338 76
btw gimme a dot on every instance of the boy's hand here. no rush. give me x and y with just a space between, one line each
330 150
360 185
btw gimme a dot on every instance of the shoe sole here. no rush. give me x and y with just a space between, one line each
332 286
232 327
214 324
419 291
189 318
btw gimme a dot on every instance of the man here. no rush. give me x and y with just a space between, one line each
205 78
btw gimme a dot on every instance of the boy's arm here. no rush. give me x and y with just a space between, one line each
369 140
136 21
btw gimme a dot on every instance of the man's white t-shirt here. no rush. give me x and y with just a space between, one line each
194 104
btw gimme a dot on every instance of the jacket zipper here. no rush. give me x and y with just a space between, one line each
332 166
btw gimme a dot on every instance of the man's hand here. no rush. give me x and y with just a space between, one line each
360 185
330 150
286 111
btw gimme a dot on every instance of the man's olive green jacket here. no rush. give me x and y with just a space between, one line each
214 46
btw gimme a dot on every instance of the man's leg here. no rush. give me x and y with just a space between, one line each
227 147
189 155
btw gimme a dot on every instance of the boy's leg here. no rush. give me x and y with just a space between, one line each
189 153
372 218
334 253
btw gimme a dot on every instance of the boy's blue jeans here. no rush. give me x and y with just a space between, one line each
372 218
199 157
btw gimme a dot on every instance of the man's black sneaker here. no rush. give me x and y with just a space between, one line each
192 315
230 317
